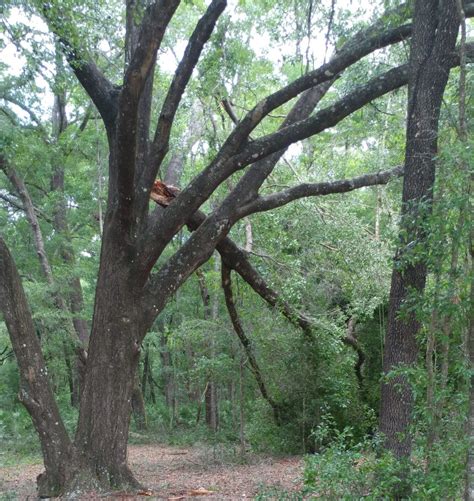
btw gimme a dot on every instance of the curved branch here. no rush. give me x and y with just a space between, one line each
324 119
245 341
102 92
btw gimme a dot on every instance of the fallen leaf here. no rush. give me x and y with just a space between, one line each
145 493
200 492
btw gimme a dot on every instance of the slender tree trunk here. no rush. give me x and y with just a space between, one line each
210 393
138 405
74 301
76 332
469 484
242 407
167 372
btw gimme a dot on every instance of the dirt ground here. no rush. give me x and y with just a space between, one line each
176 474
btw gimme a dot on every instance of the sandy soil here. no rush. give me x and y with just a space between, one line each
176 474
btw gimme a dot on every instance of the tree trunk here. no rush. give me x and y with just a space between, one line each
114 349
210 393
432 41
469 486
167 374
138 405
35 391
212 415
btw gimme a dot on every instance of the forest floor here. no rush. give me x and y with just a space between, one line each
179 474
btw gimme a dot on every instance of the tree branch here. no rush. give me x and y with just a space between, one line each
18 206
281 198
102 92
11 202
211 232
226 282
155 21
198 39
11 99
198 248
214 174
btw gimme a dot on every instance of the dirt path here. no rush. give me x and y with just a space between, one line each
177 474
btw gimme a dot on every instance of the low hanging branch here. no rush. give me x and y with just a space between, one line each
234 258
245 341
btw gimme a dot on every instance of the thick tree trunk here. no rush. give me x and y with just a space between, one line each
114 349
433 38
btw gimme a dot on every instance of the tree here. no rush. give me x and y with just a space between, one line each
132 289
435 28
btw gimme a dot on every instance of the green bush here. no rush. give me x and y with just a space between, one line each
343 472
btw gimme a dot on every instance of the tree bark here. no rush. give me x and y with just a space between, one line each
114 349
435 28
